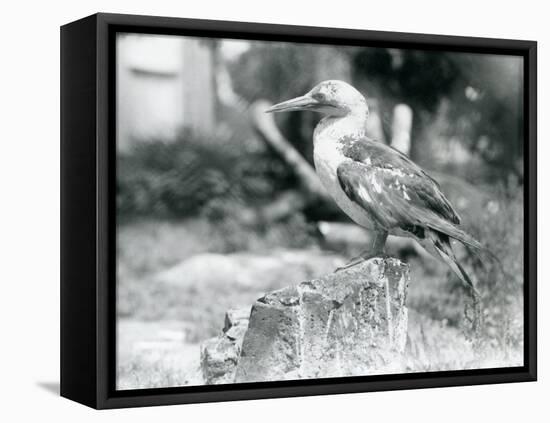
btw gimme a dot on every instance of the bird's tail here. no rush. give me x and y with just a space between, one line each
443 247
468 240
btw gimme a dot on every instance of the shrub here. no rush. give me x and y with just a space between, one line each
180 178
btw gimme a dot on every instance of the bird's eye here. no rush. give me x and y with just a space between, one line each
319 96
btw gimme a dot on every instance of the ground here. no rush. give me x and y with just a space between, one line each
175 282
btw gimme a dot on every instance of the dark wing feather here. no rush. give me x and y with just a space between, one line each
396 192
394 199
382 157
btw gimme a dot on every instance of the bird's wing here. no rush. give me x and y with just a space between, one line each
397 193
397 169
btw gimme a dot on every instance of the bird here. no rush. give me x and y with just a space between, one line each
377 186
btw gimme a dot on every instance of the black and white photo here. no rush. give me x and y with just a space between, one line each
376 229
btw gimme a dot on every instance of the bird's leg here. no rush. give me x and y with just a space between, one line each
377 249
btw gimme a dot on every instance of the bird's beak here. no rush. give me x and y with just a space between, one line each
304 102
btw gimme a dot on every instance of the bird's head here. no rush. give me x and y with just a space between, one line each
332 98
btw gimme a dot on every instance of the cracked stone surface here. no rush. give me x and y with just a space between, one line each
352 322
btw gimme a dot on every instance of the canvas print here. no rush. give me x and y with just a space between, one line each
290 211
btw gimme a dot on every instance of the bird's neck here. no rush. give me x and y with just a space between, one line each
339 128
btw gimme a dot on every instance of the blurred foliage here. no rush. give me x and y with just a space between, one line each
183 177
241 230
467 99
499 226
280 71
275 71
416 77
482 95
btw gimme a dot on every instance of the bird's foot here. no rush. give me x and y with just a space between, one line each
351 263
360 259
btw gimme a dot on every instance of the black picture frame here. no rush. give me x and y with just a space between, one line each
88 211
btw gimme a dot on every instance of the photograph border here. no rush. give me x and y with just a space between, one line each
88 210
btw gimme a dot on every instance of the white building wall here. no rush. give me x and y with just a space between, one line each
164 84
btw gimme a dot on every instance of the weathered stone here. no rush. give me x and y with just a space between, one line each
270 346
352 322
219 358
236 317
219 355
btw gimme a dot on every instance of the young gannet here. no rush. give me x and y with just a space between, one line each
378 187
